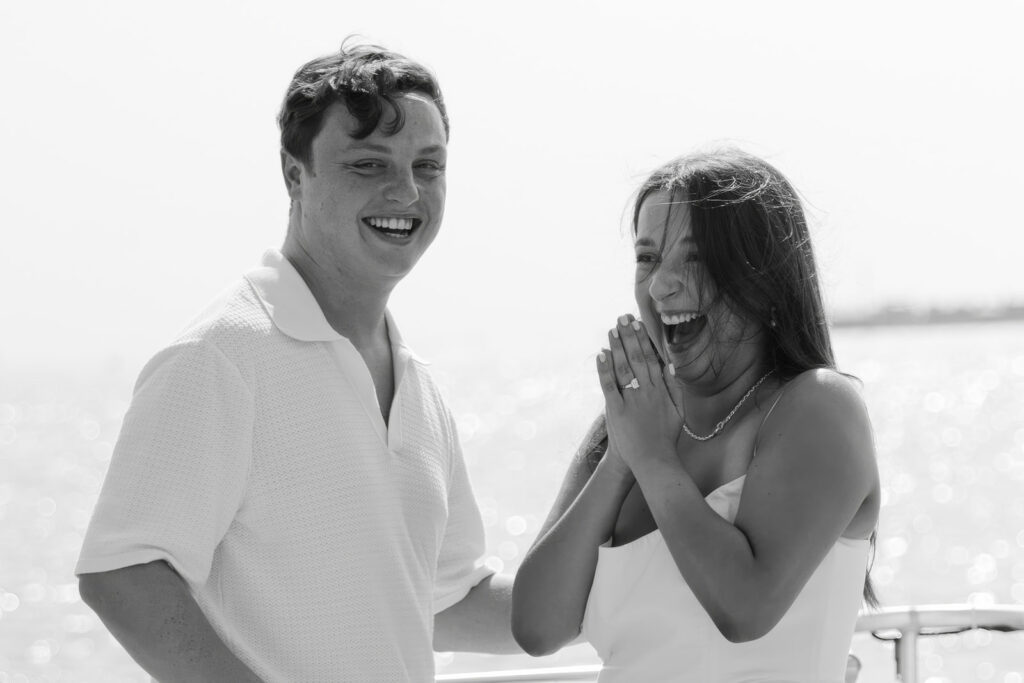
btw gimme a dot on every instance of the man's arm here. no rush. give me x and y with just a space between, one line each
480 622
150 611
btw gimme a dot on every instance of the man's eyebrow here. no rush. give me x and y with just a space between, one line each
360 145
369 146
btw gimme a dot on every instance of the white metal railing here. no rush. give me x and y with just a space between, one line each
902 625
905 625
551 675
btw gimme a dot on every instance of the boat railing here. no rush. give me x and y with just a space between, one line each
555 674
904 626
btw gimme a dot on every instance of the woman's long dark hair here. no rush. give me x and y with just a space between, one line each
750 232
749 229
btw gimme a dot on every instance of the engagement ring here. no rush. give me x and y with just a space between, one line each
635 384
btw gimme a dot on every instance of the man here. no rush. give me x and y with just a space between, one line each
287 500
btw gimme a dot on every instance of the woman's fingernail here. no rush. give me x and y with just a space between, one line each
672 369
623 320
601 357
636 325
615 332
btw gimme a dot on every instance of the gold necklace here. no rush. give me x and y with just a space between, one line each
721 425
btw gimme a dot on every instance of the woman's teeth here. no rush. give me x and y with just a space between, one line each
679 318
680 328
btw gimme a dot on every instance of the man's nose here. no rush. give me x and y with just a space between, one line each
402 187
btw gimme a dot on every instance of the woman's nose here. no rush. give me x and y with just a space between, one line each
664 284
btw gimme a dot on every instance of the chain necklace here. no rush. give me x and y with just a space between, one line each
721 425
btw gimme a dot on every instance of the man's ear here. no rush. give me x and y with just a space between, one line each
293 172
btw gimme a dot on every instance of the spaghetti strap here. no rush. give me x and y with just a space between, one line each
757 437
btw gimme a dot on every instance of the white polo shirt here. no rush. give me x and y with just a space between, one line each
254 459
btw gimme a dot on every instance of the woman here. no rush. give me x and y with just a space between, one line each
718 528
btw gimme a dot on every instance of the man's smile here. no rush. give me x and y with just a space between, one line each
393 227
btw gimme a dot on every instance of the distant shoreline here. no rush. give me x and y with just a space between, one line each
906 316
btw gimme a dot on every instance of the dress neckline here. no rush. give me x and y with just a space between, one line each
656 532
653 533
728 483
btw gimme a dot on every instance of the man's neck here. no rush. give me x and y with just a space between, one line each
353 309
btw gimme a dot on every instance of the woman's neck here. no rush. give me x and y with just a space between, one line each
705 406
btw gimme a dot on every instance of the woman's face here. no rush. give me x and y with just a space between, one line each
691 325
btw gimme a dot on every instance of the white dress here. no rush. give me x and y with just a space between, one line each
647 625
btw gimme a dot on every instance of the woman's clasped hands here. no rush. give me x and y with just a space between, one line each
642 397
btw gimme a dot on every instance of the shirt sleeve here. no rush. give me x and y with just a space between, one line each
178 471
460 564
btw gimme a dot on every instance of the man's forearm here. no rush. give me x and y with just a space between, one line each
480 622
150 611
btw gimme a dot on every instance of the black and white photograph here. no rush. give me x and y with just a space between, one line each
441 341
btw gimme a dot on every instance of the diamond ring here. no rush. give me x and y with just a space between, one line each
635 384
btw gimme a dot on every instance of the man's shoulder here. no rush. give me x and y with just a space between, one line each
231 333
234 318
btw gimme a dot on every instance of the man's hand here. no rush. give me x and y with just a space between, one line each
480 622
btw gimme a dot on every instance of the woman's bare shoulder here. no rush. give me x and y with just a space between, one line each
822 406
823 391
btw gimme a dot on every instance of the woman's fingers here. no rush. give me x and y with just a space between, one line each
675 389
620 364
606 375
633 362
639 353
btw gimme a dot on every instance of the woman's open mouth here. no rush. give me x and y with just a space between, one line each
682 328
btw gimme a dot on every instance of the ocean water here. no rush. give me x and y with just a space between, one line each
947 403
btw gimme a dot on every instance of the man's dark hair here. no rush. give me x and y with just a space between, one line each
367 79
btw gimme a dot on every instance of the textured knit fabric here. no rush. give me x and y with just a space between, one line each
647 625
254 459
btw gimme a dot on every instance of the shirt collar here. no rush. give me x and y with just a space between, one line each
293 308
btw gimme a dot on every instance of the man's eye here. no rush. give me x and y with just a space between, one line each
367 165
433 167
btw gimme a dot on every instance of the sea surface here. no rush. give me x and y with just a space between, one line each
947 403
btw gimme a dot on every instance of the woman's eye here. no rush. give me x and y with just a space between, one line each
646 258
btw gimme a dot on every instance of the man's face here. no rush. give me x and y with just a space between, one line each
369 208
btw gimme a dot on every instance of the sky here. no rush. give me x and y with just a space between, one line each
143 174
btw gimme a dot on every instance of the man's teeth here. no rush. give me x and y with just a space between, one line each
679 318
393 224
